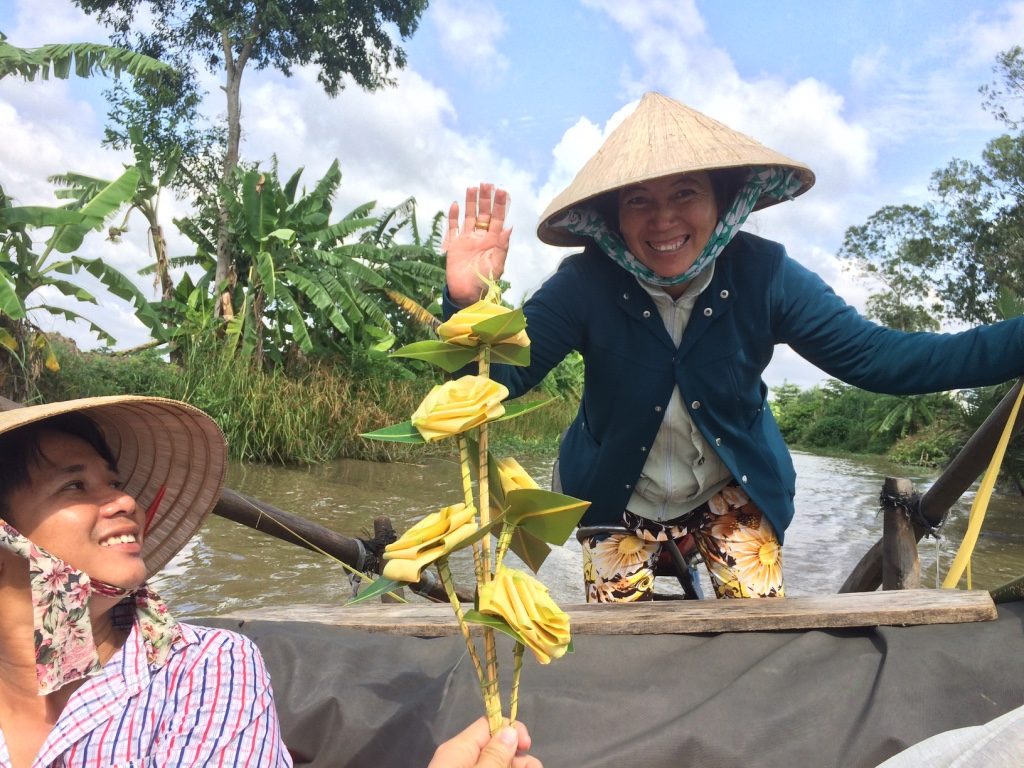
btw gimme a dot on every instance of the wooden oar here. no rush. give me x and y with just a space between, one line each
955 479
286 526
297 530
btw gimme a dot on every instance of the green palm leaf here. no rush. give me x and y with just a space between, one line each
85 59
72 316
10 304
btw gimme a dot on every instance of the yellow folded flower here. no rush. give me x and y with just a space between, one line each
459 405
458 329
525 605
513 477
434 536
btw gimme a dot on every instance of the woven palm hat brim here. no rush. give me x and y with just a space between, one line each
662 137
156 443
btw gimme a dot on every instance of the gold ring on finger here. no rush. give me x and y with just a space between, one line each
482 225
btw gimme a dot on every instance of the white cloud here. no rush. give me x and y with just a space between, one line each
985 37
469 31
51 21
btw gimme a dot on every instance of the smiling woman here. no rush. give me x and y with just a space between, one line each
677 313
85 643
96 496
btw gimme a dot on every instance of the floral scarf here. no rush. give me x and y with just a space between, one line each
778 183
65 651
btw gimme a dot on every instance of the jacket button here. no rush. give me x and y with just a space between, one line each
643 449
718 441
695 404
708 311
724 294
657 409
647 313
743 479
625 296
628 486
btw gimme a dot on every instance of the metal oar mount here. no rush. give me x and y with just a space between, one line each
930 510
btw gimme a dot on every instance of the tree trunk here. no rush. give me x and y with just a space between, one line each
233 68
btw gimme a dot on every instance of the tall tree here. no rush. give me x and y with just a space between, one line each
896 247
983 204
342 38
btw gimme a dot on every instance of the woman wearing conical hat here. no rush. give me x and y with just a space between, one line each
676 313
96 496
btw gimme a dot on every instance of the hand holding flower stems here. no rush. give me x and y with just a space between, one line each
475 747
526 518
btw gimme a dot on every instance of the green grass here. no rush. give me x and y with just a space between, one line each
311 417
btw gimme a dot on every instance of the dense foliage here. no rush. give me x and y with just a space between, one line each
340 39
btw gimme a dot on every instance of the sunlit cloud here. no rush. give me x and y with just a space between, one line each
469 33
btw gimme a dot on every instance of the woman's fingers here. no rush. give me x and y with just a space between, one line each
453 221
471 202
501 201
483 209
476 748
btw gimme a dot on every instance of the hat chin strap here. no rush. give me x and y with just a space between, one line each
64 647
774 181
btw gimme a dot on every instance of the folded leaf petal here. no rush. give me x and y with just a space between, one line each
459 405
433 537
524 603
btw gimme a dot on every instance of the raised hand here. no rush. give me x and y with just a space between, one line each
476 250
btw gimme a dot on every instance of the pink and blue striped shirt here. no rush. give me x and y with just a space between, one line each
211 704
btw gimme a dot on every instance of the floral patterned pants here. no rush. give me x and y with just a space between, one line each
738 545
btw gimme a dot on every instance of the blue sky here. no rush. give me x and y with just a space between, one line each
873 96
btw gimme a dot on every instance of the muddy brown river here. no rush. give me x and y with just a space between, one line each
231 568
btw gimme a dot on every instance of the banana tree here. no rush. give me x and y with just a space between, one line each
153 179
300 282
84 59
29 276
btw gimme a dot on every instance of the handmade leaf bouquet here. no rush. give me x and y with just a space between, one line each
505 503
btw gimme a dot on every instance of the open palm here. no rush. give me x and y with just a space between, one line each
476 250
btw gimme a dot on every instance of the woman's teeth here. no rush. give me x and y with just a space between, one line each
675 245
127 538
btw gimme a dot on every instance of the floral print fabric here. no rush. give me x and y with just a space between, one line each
738 545
775 182
65 651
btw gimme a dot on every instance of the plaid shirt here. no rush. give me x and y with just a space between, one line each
210 705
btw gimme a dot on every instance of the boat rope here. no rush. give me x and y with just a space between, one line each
962 561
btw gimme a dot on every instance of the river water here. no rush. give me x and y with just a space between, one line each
229 567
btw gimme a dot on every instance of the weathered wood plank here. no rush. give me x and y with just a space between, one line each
862 609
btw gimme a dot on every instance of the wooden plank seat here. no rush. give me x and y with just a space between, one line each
862 609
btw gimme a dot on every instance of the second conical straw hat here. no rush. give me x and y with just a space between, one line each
662 137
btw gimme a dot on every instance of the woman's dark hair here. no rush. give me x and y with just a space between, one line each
19 448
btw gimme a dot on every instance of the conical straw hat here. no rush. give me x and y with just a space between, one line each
662 137
156 443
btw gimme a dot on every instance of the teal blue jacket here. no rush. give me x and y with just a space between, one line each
758 297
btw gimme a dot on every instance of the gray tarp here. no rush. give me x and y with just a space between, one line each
818 698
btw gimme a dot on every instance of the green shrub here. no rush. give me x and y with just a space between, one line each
826 432
933 446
